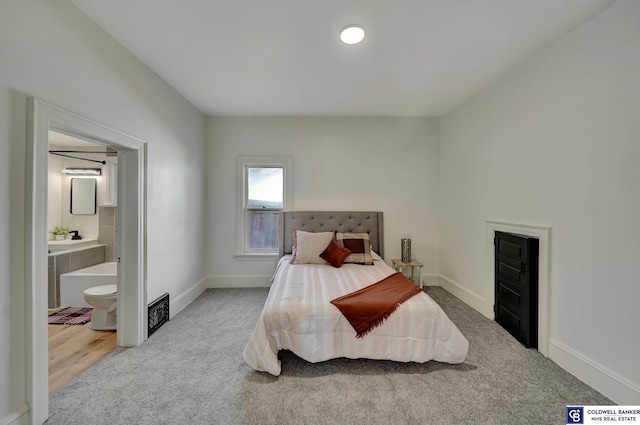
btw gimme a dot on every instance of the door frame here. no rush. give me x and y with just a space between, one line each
130 246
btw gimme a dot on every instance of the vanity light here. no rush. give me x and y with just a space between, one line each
352 34
83 171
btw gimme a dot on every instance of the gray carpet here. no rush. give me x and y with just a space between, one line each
191 371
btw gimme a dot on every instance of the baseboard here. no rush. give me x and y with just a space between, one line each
20 417
617 388
473 300
250 281
187 297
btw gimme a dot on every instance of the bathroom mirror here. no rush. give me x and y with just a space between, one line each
83 195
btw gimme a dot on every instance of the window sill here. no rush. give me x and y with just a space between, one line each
257 256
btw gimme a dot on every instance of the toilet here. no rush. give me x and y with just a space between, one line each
104 300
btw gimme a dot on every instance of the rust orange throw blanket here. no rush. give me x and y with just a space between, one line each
369 307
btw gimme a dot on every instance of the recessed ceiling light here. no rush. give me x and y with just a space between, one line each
352 34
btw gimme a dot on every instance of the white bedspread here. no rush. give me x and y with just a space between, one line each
298 316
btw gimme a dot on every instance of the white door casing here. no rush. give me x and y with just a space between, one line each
130 248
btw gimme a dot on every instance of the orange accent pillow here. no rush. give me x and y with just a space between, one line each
335 254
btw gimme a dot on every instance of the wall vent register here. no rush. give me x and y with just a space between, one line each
158 313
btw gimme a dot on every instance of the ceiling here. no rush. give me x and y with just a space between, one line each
283 57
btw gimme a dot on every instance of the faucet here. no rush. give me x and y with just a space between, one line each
75 236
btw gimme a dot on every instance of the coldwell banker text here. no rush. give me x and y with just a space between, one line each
600 414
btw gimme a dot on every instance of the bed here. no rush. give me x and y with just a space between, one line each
298 314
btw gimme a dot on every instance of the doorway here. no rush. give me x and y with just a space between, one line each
81 196
130 249
516 286
543 235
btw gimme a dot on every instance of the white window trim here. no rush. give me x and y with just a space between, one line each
286 162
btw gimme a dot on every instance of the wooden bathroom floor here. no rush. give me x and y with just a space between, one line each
73 349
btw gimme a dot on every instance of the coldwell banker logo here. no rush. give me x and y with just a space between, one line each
575 415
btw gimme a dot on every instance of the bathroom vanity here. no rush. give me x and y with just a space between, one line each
61 262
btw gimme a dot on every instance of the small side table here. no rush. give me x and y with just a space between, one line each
398 265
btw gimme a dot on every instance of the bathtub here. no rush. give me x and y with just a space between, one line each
73 284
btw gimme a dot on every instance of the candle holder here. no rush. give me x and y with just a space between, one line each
406 250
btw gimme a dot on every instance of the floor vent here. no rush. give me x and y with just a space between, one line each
158 313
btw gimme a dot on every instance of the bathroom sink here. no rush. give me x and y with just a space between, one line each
68 244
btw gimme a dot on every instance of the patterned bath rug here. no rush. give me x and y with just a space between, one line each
71 316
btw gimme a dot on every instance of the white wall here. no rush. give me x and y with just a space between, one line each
54 52
59 210
557 143
54 193
345 163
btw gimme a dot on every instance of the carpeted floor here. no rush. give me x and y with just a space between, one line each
191 372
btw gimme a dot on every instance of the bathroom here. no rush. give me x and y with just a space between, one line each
82 269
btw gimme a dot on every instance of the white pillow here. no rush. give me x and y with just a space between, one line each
308 246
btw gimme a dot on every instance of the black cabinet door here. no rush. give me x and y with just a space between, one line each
516 286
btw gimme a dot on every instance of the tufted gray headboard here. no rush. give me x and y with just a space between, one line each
328 221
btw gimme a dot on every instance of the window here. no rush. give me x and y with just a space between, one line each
264 191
